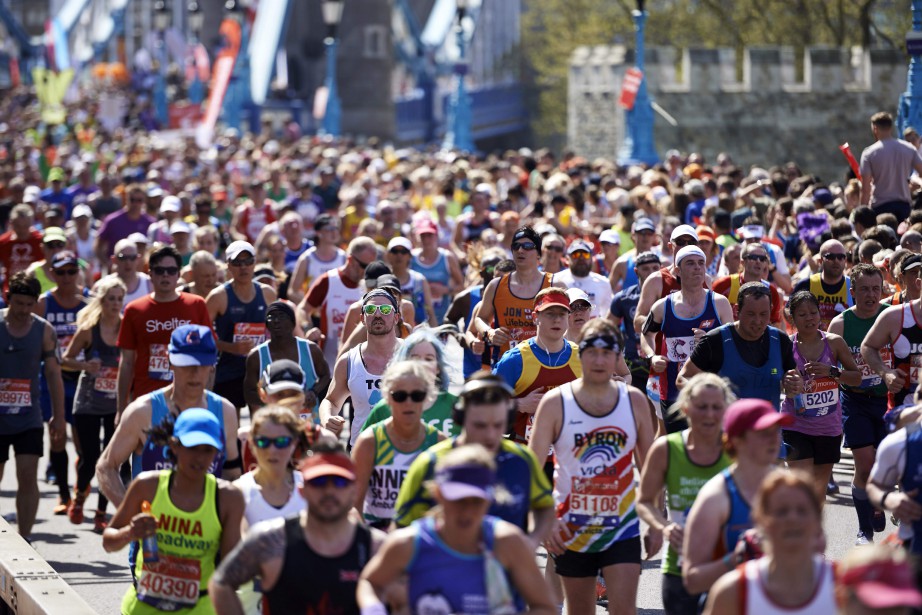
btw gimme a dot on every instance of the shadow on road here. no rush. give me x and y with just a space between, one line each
94 571
53 539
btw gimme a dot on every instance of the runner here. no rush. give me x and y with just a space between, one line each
666 281
324 539
30 346
438 265
643 234
754 261
324 255
193 516
580 276
459 560
831 286
255 213
623 312
21 245
413 285
602 430
128 263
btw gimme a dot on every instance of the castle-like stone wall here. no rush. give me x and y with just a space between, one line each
764 116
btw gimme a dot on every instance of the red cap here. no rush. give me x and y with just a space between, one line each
883 585
753 415
426 226
557 297
327 464
706 232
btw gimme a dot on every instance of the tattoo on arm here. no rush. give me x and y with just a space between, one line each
264 542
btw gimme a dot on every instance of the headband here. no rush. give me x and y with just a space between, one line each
689 251
608 342
379 292
283 307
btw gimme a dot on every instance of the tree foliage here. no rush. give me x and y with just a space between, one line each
552 29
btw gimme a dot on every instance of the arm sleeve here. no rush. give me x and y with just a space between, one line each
708 356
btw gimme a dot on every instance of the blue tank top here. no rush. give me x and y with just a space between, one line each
240 320
630 277
679 340
291 256
304 360
155 457
912 479
759 381
739 520
441 580
415 293
472 362
64 320
439 273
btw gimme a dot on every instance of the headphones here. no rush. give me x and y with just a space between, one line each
485 383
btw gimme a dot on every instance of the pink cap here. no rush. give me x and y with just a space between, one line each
752 415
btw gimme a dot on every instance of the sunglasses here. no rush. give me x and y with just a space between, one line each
127 257
756 257
137 199
164 270
829 256
54 245
363 266
581 255
528 246
401 396
580 307
400 252
681 243
244 263
322 481
371 310
554 248
278 442
65 272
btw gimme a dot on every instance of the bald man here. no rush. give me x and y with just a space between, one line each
831 286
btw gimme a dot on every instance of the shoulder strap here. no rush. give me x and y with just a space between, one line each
742 588
363 544
265 357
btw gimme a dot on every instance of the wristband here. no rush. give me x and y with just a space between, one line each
728 562
374 609
883 499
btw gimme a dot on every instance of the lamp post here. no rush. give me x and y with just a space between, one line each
332 16
161 23
196 21
910 109
638 142
458 133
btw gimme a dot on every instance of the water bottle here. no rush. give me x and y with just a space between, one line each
800 408
149 544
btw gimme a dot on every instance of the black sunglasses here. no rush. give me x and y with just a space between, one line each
400 251
243 263
528 246
278 442
681 242
401 396
164 270
756 257
833 257
322 481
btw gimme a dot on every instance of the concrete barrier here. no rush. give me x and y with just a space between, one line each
29 585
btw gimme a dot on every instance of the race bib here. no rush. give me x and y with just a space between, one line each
255 332
158 366
870 378
171 583
820 396
106 381
678 349
594 502
915 362
15 395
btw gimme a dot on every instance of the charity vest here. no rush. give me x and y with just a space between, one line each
854 331
535 375
364 388
734 292
679 340
831 305
515 313
239 322
335 307
907 354
64 321
19 390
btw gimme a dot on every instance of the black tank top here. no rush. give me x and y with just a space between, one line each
333 580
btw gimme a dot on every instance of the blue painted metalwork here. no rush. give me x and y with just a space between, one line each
496 110
460 115
638 142
332 118
910 105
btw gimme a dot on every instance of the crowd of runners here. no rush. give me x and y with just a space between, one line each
336 377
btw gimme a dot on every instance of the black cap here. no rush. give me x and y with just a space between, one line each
646 257
375 270
62 259
388 280
910 262
283 375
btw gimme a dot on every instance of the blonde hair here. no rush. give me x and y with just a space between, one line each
89 316
410 369
704 380
279 415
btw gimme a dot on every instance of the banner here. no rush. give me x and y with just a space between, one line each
633 77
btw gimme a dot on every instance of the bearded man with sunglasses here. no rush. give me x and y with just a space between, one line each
831 286
754 264
358 372
127 262
581 276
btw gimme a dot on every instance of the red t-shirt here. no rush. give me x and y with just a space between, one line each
17 254
253 219
146 329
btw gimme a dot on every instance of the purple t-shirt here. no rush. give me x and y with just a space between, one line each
118 226
821 414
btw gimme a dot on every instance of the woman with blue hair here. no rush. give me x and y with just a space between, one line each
424 345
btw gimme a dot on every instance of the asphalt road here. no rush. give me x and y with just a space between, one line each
102 578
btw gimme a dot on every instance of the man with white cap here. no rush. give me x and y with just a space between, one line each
181 235
580 276
81 237
643 234
413 285
778 272
130 219
683 317
170 209
238 309
127 261
603 263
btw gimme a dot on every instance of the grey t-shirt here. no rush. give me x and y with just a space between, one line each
889 164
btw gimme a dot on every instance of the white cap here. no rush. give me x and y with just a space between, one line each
138 238
82 211
610 236
683 230
170 203
32 194
180 227
399 242
237 248
751 231
578 294
688 251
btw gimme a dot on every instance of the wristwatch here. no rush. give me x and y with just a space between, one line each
834 372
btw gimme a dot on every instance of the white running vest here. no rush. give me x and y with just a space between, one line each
364 387
758 603
335 308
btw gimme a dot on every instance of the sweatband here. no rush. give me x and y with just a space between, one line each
378 292
608 342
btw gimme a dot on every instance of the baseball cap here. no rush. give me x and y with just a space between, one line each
62 259
196 426
687 251
388 280
180 227
579 246
557 297
706 232
375 270
170 203
424 226
683 230
264 272
578 294
647 257
823 196
911 262
192 345
237 248
56 174
466 481
53 233
753 415
81 211
751 231
610 236
138 238
32 194
154 190
327 464
282 375
643 224
399 242
882 584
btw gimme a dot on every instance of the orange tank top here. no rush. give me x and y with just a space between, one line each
514 312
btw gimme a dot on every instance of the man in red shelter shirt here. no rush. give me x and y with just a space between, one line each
21 245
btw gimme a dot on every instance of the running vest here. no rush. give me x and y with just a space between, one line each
757 602
304 360
472 362
439 273
536 374
391 465
96 394
679 339
316 267
907 353
594 487
335 307
64 321
155 457
854 331
912 479
759 381
443 581
292 256
514 312
258 509
413 290
820 396
240 321
142 289
188 544
19 390
831 305
630 276
739 520
684 479
364 387
313 583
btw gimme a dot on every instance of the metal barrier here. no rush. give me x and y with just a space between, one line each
29 585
